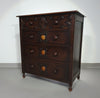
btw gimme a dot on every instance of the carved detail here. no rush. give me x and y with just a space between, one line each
55 37
31 51
62 17
32 66
55 53
55 71
31 36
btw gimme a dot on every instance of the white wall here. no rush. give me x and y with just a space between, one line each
9 25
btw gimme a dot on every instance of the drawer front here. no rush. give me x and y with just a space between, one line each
30 23
48 69
47 22
47 52
30 37
52 37
59 37
61 22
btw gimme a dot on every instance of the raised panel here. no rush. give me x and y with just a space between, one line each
77 47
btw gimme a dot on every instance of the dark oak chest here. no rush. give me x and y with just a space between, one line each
51 45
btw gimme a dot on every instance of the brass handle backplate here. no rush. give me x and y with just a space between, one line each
43 52
43 37
43 68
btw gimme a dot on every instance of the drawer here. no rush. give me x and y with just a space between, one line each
30 37
36 23
46 52
48 69
47 22
59 37
52 37
61 22
30 23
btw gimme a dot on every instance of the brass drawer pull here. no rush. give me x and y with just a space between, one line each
43 52
43 68
43 37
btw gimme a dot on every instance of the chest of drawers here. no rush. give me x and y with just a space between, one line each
51 45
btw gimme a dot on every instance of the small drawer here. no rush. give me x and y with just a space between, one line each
58 53
31 67
59 37
61 22
30 37
30 23
30 51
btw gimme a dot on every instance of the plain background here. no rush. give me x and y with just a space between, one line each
9 25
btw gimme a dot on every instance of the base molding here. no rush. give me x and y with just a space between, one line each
10 65
18 65
90 65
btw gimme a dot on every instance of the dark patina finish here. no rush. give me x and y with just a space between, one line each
51 45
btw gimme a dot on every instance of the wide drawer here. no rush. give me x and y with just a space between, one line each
53 37
48 69
47 22
46 52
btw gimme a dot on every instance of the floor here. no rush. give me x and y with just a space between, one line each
12 85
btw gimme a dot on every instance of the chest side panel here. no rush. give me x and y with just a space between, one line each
77 45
